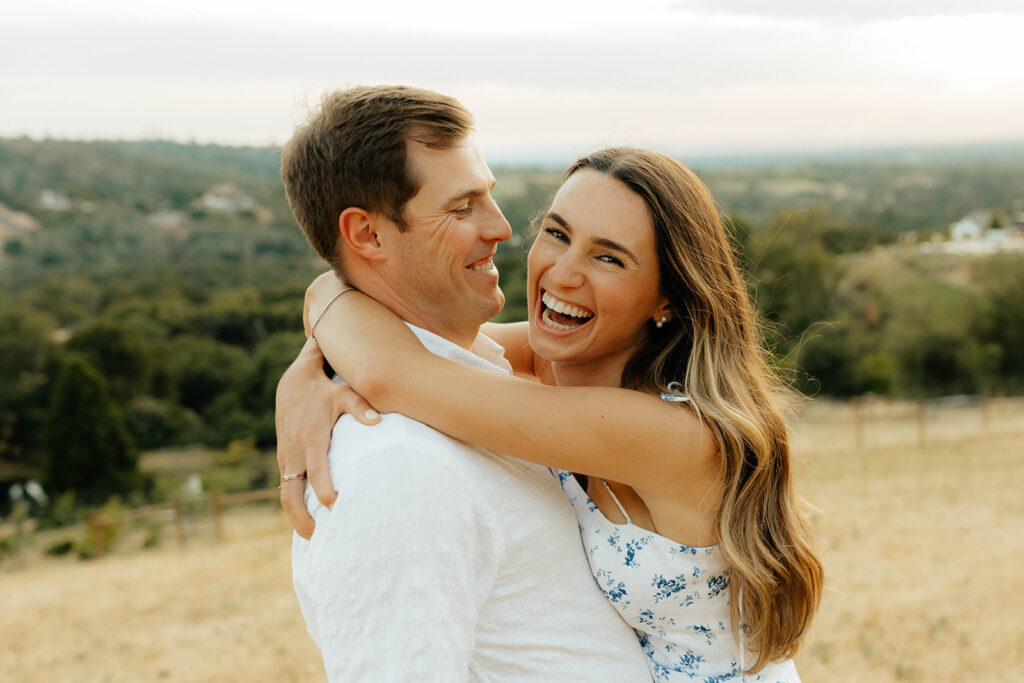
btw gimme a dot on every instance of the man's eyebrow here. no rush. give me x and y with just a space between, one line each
599 241
470 193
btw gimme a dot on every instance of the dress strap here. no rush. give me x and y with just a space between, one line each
617 503
676 393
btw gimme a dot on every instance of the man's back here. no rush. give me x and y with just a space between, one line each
441 561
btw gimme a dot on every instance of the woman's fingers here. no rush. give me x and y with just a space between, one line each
302 394
358 407
292 500
318 441
308 405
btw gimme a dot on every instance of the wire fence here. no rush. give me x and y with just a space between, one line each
867 422
181 513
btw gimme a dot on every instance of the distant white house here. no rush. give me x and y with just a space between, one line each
972 226
167 219
227 197
51 200
972 235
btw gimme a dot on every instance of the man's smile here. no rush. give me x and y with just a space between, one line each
486 263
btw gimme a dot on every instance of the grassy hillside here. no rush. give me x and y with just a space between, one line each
922 547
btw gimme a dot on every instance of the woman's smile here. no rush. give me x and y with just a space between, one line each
562 315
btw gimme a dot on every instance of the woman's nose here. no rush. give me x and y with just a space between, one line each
566 271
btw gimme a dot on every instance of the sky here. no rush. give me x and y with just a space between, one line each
545 78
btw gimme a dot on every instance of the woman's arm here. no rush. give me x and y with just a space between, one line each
617 434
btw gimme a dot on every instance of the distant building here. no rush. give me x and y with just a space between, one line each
52 200
227 198
972 234
167 219
972 226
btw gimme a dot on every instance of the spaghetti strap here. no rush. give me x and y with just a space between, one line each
617 503
676 393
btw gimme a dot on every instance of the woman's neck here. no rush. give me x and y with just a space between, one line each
605 373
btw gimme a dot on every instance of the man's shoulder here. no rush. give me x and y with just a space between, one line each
352 440
356 446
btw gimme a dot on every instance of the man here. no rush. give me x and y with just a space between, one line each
440 561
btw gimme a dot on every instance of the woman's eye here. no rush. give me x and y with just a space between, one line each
608 258
557 234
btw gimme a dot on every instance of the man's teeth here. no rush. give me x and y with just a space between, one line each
564 308
486 264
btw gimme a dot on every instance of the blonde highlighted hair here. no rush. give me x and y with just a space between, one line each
714 346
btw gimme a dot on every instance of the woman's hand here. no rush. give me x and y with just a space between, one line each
308 405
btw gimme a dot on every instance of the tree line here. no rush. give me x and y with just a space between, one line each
141 315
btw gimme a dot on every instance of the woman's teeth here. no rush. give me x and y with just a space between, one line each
562 315
560 306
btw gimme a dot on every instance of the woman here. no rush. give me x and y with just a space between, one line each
664 400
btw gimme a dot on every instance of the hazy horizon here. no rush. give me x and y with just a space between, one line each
554 159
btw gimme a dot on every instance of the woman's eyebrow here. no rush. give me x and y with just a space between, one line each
599 241
561 221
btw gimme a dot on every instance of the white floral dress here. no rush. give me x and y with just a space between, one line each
674 596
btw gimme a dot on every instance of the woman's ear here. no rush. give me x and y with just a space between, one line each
663 313
358 230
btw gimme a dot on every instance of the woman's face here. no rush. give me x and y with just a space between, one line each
593 273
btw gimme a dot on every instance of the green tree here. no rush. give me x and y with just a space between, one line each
120 353
1000 321
89 450
794 275
202 369
27 353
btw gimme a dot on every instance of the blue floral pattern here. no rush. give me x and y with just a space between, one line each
674 596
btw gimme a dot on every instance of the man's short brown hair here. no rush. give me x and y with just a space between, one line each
351 151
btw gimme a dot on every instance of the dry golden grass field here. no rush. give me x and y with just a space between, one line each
923 547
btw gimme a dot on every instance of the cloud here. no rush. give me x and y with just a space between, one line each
699 80
846 11
677 59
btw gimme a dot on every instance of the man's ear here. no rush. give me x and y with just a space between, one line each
358 229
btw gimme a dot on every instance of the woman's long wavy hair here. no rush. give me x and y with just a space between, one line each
713 344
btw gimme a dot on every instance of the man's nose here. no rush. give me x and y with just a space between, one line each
496 228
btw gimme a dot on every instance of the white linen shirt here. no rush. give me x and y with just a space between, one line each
445 562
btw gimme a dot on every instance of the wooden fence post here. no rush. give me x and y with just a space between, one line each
179 521
920 424
858 419
98 539
218 525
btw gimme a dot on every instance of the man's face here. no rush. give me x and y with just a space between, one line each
441 266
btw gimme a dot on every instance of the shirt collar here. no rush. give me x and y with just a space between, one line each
486 353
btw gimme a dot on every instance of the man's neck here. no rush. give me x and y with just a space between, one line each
381 291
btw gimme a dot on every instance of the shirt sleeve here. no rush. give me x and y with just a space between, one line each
400 570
